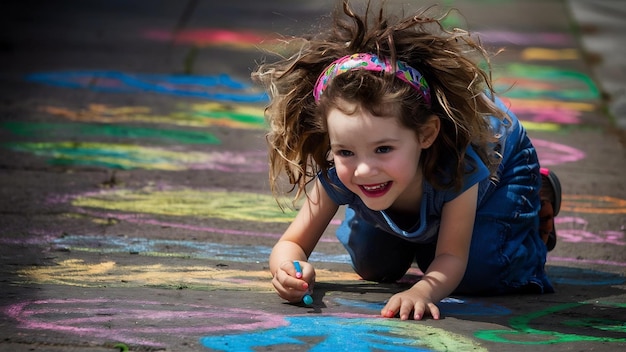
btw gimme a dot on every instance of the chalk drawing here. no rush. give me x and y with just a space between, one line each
198 203
546 114
190 115
76 272
579 260
134 322
128 156
137 322
583 277
591 204
362 334
178 248
545 54
549 104
80 131
233 39
218 88
448 306
551 153
547 111
532 82
210 36
523 333
574 229
547 39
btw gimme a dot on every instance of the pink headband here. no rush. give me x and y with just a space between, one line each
371 62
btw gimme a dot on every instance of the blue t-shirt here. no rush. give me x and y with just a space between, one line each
427 226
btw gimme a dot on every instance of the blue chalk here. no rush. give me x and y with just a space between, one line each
307 299
298 267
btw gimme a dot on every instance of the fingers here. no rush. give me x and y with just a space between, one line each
402 308
434 311
288 285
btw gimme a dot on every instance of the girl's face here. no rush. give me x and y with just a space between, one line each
376 158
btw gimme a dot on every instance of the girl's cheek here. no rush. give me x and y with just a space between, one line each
343 172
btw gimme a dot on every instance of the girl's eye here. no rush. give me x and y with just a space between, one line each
344 153
384 149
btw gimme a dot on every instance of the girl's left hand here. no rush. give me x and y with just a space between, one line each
411 300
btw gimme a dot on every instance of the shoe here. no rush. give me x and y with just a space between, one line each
550 195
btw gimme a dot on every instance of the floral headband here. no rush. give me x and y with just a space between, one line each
371 62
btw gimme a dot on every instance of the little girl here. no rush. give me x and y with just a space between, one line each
396 120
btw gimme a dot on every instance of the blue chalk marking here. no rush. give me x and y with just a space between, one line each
330 333
221 87
176 248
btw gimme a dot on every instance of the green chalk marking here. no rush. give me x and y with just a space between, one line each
122 347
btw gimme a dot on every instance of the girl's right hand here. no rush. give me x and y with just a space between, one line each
290 287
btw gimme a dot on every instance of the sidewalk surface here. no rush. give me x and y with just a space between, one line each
135 212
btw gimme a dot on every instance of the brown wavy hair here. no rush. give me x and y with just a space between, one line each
450 61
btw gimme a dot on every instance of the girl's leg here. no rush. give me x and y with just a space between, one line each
376 255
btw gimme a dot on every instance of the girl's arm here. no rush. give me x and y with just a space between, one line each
447 269
298 242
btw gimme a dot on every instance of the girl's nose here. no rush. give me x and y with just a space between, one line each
365 168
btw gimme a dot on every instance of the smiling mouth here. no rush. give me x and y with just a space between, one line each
375 190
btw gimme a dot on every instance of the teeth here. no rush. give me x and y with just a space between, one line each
375 188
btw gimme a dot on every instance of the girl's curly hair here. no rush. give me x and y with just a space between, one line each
462 94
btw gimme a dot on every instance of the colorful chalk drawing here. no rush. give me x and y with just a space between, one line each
198 203
38 130
548 115
76 272
553 259
87 204
217 88
155 247
583 277
359 334
522 332
593 204
543 39
533 81
545 54
128 156
234 39
551 153
210 114
229 329
136 322
574 229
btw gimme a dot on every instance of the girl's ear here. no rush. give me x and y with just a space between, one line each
429 131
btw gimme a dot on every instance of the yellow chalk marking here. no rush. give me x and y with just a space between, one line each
593 204
236 206
75 272
549 54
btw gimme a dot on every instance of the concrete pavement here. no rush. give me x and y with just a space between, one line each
135 212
